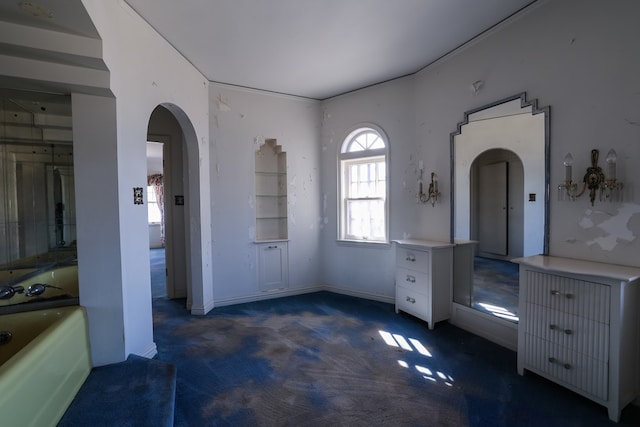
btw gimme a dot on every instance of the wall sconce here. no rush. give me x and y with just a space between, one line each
594 180
432 193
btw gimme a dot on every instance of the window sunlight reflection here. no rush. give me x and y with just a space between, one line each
409 344
418 345
388 338
397 340
424 370
403 342
499 311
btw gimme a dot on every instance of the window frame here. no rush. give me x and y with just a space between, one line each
346 158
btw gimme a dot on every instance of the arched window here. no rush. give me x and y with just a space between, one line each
363 186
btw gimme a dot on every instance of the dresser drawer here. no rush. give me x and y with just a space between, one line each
412 302
413 260
411 279
576 333
578 297
567 367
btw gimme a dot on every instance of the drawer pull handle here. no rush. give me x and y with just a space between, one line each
411 258
411 300
410 279
566 366
556 293
555 327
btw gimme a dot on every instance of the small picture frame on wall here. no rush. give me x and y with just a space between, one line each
138 195
179 200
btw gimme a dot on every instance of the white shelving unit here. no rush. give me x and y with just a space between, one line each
271 193
271 217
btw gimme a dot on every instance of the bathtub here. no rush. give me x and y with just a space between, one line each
61 278
43 365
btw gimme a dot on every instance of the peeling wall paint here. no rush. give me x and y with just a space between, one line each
608 230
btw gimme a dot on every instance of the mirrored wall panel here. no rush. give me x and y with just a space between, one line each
500 195
38 257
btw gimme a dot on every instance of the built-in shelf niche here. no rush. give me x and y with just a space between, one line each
271 192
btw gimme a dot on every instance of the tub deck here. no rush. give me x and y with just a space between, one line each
43 366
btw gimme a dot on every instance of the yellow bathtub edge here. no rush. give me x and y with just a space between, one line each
37 386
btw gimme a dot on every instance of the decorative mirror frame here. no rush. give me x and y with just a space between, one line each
547 125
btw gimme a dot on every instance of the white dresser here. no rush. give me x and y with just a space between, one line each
579 327
424 279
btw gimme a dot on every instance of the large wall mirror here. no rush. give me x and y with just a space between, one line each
500 199
38 256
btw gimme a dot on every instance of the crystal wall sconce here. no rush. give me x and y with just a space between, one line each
607 187
432 194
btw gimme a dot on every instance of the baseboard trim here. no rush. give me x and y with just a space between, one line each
300 291
150 352
201 311
279 293
499 331
360 294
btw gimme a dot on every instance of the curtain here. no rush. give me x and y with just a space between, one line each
156 181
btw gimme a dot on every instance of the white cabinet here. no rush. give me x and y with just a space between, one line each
273 265
579 327
423 279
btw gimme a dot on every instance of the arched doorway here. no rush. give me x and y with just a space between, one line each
169 125
497 204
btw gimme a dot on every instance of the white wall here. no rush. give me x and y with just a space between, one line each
241 120
368 269
143 70
579 57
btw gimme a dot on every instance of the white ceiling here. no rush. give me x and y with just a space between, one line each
310 48
318 48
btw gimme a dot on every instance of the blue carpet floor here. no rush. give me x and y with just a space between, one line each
324 359
158 273
136 392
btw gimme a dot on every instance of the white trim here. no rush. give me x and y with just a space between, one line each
279 293
150 352
499 331
360 294
301 291
201 311
228 86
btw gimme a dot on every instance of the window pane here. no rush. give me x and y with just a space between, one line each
365 219
153 209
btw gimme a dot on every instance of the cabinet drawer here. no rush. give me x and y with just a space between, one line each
411 279
412 302
567 367
579 297
576 333
411 259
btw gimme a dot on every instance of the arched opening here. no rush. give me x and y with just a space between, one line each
178 177
497 204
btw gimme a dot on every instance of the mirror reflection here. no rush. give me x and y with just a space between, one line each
500 200
38 258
